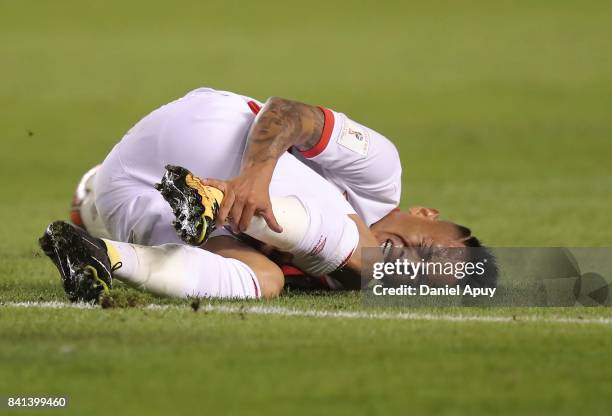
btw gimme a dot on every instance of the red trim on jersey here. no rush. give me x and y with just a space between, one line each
255 108
328 128
290 271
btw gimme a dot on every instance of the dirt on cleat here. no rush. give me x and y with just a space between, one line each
195 205
81 259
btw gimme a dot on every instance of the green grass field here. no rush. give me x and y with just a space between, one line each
502 114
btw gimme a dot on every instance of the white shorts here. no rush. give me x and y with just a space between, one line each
206 136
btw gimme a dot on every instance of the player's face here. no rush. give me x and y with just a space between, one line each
418 227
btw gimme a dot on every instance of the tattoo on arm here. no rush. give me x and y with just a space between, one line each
280 125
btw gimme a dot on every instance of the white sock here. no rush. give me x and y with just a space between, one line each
329 244
291 215
320 240
181 271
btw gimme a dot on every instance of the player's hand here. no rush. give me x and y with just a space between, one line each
245 196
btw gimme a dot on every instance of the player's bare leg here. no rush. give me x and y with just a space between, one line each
269 276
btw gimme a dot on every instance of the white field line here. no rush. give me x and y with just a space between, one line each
280 311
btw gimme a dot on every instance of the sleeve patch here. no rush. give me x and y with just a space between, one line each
355 138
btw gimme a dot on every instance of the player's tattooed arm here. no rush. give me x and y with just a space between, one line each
281 124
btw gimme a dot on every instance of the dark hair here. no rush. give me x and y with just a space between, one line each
473 252
477 252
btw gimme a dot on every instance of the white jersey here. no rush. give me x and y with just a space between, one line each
206 132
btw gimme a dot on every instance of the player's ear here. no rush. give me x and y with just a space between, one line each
429 213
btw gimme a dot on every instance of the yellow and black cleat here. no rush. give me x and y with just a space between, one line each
195 205
81 259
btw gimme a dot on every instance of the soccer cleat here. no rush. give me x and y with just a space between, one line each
194 204
81 259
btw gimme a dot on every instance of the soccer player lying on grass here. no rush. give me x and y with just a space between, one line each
218 135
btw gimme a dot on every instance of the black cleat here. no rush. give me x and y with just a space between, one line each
81 259
195 205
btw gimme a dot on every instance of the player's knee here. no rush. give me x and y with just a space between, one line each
271 280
